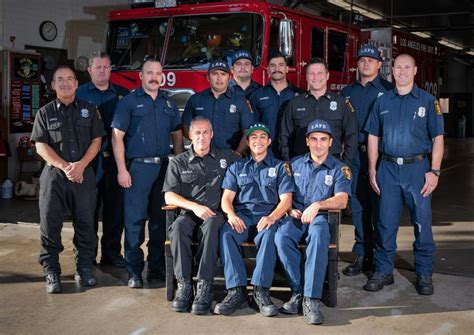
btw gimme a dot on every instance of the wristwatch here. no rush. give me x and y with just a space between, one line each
437 173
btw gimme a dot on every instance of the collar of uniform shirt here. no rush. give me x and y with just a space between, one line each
212 153
327 95
59 103
227 93
415 91
91 87
267 160
329 161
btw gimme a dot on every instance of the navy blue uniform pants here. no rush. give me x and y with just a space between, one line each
181 234
57 195
110 196
364 206
231 257
317 236
142 200
402 184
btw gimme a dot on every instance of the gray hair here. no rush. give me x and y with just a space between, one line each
200 118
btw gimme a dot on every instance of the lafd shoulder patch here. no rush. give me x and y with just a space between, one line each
437 107
287 168
349 106
347 172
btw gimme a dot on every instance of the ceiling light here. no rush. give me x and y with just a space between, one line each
361 10
450 44
421 34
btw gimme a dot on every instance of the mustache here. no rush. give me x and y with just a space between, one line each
277 72
153 82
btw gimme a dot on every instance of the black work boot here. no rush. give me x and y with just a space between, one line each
236 298
85 277
261 296
53 283
184 296
424 285
311 311
135 281
377 281
293 306
355 268
204 297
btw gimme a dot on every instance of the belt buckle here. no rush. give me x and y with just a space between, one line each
400 160
156 160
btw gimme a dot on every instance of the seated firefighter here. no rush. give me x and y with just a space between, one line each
193 183
322 182
257 193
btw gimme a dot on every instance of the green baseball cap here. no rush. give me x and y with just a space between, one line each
257 126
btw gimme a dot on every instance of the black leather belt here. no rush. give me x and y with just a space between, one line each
404 160
151 160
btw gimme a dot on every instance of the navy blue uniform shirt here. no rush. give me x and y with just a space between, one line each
248 91
230 115
329 107
147 123
258 185
317 183
268 105
406 123
363 99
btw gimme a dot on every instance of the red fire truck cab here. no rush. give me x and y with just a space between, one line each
187 37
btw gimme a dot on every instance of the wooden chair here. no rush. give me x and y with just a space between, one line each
249 252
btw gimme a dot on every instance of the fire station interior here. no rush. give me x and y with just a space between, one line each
36 37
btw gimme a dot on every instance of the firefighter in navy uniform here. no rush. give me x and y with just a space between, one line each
322 182
229 112
257 193
193 183
364 202
319 103
269 101
406 127
105 95
68 134
242 70
142 125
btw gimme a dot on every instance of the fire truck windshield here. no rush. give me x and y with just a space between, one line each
193 40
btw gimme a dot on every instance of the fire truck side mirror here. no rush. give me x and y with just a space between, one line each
286 37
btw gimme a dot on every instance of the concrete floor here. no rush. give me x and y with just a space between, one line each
113 308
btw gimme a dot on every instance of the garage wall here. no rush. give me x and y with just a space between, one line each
81 24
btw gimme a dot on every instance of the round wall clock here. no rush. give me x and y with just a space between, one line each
48 31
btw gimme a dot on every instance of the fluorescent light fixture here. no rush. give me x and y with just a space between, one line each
470 52
397 26
450 44
421 34
361 10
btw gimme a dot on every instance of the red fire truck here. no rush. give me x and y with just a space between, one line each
185 37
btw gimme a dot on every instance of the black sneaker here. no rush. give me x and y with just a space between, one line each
85 277
311 311
294 305
184 296
377 281
53 283
424 285
204 298
236 298
135 281
261 296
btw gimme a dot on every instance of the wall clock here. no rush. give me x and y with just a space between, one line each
48 31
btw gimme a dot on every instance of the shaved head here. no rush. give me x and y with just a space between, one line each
404 57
